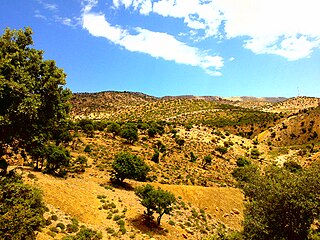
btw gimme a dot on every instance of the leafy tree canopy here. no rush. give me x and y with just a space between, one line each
34 103
282 204
127 165
155 200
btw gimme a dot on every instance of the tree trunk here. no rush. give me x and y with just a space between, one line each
159 218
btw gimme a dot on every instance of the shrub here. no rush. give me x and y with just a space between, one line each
193 157
61 226
88 149
242 161
222 150
255 153
85 234
155 157
292 166
21 208
207 160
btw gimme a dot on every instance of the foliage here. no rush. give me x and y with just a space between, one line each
207 160
242 161
85 234
129 132
155 156
21 209
292 166
282 205
255 153
155 200
179 141
160 146
245 174
114 128
57 157
34 104
127 165
222 150
193 157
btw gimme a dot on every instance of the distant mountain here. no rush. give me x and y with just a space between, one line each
257 99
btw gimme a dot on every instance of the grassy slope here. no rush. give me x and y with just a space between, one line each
77 197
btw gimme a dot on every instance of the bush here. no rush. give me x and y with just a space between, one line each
222 150
127 165
85 234
292 166
155 157
255 153
193 157
207 160
242 161
88 149
21 208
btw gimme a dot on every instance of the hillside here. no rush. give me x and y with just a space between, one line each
185 130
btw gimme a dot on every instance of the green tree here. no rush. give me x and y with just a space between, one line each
114 128
207 160
57 157
34 103
129 132
283 205
127 165
155 200
21 209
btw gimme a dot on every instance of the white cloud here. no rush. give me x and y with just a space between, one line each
49 6
155 44
88 5
70 22
288 28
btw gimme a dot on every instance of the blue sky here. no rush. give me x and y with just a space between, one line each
175 47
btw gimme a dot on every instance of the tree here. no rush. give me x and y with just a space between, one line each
34 104
21 209
207 160
155 200
127 165
114 128
57 157
282 204
129 132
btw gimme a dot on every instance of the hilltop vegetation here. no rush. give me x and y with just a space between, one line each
203 167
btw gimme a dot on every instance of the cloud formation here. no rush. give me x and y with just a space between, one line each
155 44
288 28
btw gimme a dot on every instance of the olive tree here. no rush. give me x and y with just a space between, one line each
34 103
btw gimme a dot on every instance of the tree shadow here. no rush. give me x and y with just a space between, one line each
148 226
123 185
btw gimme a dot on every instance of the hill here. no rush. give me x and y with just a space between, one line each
185 130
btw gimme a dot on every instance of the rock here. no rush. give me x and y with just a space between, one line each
236 211
189 230
217 209
185 236
226 215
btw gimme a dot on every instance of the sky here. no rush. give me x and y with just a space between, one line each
262 48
